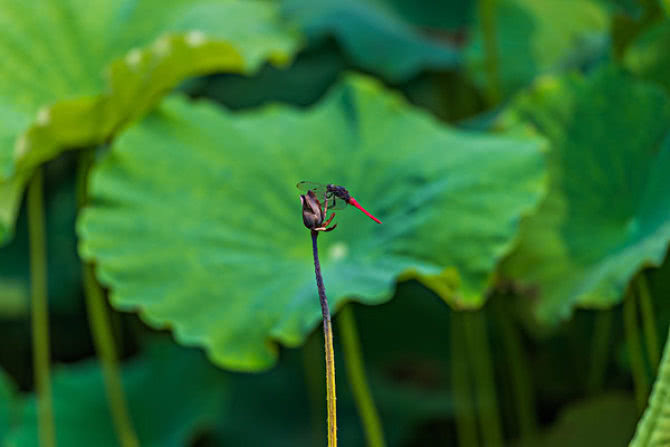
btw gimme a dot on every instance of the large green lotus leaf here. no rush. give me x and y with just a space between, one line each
53 94
172 394
654 427
375 35
607 213
195 219
647 56
539 36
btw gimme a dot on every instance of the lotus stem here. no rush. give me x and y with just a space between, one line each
330 355
461 383
632 331
487 19
648 322
101 330
482 367
40 310
351 346
600 350
521 381
105 347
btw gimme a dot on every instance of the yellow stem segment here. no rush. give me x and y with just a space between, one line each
330 384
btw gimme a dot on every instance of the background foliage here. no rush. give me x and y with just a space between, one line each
515 150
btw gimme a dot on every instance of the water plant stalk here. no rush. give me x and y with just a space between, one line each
330 355
39 309
101 330
632 333
374 434
521 383
648 321
105 347
600 350
466 420
487 19
482 366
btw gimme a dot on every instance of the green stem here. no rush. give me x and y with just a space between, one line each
487 402
330 355
40 316
466 421
101 330
522 386
600 349
632 331
648 321
104 345
487 18
356 373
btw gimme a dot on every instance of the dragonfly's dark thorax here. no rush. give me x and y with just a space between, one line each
339 191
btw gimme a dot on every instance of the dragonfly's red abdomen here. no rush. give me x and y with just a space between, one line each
353 202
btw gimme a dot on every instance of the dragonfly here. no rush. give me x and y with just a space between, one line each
335 197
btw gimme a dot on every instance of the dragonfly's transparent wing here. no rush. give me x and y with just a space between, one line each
318 188
321 192
335 203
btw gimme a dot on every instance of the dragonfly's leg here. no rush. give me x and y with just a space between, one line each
325 205
326 223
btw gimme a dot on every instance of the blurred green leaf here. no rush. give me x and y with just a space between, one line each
376 36
608 420
52 92
540 36
173 393
654 427
647 56
445 14
302 83
209 239
608 210
11 192
270 408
